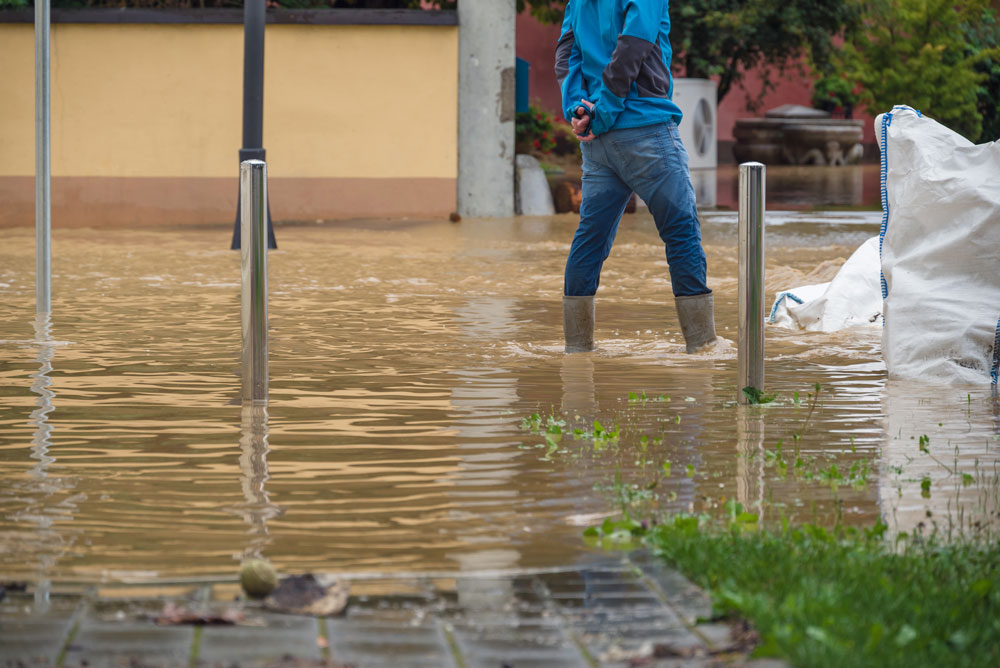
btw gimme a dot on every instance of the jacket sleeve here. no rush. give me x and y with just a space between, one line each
636 42
569 67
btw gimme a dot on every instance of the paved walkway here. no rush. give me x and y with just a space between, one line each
632 612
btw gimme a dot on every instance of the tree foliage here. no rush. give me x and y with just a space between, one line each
727 38
984 35
919 53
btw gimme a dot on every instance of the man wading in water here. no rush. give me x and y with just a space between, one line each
613 65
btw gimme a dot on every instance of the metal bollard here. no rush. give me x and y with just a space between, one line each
750 353
43 155
253 213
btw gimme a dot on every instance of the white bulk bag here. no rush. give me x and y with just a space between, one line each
851 299
940 250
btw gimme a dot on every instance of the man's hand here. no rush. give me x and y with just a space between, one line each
581 124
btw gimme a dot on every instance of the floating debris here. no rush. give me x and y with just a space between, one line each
307 594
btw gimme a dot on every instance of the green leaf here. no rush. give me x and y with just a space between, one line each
756 396
981 588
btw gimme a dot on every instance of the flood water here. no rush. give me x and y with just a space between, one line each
405 359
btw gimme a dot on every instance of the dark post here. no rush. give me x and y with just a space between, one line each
253 101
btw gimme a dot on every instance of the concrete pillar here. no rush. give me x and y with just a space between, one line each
486 108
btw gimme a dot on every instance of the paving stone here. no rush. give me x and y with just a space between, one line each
690 602
615 613
497 623
32 638
111 643
604 615
390 633
282 635
116 632
719 636
518 647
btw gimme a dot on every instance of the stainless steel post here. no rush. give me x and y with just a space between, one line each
750 354
253 213
43 168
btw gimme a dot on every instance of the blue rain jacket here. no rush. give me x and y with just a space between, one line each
616 54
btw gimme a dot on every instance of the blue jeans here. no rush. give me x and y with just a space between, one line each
652 162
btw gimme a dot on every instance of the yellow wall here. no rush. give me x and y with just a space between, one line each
165 100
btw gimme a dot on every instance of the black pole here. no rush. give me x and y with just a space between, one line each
253 102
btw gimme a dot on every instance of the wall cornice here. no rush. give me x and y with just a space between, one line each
352 17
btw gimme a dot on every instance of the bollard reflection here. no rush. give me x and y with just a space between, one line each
41 384
46 507
257 508
750 463
41 442
577 374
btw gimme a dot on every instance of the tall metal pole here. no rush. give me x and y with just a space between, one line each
750 352
43 167
253 100
253 203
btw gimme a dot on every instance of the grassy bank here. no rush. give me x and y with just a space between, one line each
846 597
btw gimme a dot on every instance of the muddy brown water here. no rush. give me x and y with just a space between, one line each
405 357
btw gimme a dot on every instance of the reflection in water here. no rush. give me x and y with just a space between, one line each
257 507
46 506
480 396
705 183
41 440
577 374
797 187
750 464
940 460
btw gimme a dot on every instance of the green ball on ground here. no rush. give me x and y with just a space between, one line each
258 578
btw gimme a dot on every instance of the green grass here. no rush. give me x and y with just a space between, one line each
845 597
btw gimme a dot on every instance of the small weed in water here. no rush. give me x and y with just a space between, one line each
639 398
757 396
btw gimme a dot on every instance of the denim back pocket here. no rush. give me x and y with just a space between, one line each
645 156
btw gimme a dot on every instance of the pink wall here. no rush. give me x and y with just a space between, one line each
536 43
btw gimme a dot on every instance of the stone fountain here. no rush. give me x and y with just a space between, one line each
795 135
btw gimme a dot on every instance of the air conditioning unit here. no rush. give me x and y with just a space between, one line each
696 98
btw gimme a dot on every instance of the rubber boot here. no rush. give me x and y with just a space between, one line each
697 316
578 323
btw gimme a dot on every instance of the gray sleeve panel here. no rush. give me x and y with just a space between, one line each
625 64
653 79
563 51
